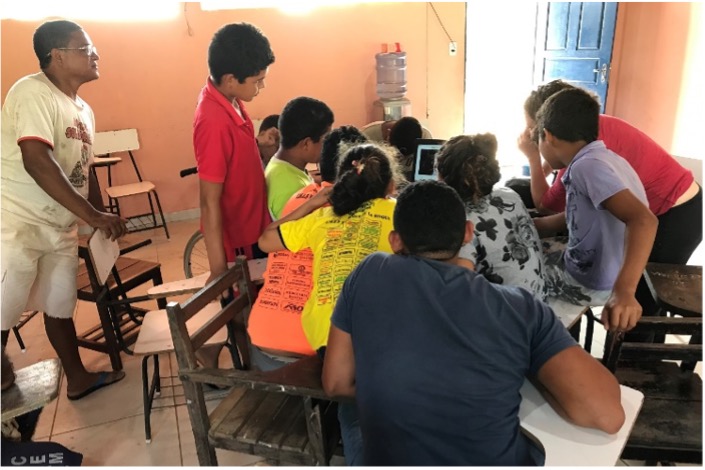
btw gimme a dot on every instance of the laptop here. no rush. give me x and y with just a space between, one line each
425 162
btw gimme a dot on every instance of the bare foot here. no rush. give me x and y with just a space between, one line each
93 381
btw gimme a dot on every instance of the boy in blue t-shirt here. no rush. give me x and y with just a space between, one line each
435 355
611 229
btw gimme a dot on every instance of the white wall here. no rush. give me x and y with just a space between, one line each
690 118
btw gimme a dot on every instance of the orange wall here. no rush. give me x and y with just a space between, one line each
651 62
151 73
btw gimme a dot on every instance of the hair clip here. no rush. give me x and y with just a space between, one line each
358 166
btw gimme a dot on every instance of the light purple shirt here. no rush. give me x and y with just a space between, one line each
596 242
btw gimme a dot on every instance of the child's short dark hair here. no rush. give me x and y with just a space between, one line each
364 173
304 117
468 164
539 96
430 219
333 146
270 121
240 49
571 115
52 35
404 133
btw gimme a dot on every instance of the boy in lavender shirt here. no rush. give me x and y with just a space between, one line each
611 229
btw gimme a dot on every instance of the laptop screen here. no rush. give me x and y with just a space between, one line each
425 161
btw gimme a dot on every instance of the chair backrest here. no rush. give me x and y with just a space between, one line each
234 315
103 253
107 142
618 349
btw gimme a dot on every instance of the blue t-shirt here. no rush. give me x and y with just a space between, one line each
440 356
596 238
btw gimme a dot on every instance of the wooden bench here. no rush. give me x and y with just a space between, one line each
564 443
290 422
669 427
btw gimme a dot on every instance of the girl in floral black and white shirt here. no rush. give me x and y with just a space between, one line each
506 248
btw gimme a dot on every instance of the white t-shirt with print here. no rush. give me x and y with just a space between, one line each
36 109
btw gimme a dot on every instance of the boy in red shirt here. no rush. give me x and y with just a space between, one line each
232 188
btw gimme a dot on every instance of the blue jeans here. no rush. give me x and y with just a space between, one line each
351 434
349 428
265 362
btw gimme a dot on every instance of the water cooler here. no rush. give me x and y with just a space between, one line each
391 85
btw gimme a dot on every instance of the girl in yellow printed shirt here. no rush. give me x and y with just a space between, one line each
340 236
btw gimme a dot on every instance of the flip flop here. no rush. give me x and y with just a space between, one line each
100 383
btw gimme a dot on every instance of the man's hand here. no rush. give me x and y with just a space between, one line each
621 312
528 147
112 225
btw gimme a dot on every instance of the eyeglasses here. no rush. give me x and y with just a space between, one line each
89 50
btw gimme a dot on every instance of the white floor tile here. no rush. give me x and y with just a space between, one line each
122 442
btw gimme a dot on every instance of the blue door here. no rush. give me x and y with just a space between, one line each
574 43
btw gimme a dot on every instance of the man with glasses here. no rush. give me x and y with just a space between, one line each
47 136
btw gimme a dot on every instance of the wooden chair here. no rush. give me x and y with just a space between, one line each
282 416
676 290
149 329
110 142
669 426
101 284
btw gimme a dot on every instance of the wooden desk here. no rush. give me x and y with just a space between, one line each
678 287
196 283
568 313
565 444
34 387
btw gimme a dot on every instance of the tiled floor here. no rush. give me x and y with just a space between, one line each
107 427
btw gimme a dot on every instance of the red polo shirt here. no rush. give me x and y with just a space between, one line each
226 152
